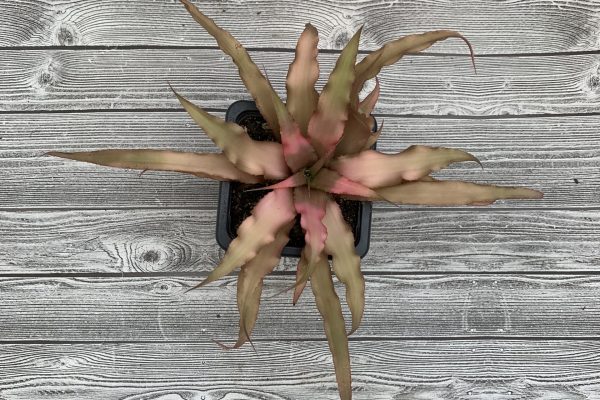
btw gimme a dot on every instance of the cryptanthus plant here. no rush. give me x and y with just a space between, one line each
322 148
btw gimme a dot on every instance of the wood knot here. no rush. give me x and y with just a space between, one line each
591 84
46 76
67 34
151 256
339 38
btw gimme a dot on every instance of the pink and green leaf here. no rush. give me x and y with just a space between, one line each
296 180
214 166
330 308
331 181
366 106
297 150
302 98
326 126
270 215
393 51
453 193
346 263
356 134
310 205
373 138
250 283
301 274
255 81
374 169
251 156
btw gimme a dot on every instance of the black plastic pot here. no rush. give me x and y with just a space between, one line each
237 112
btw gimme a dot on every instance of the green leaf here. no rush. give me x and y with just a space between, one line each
214 166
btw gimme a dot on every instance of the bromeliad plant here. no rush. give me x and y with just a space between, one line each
323 147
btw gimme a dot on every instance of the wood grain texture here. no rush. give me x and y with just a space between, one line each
558 155
493 27
415 306
36 80
382 370
177 241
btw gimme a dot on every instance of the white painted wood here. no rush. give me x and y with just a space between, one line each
141 308
36 80
176 241
289 370
494 27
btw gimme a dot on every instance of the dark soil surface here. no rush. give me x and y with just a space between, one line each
242 202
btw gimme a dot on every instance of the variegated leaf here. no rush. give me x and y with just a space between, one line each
453 193
326 126
310 205
251 156
393 51
329 306
332 182
302 98
255 81
301 274
356 134
374 169
373 138
346 263
250 283
214 166
297 150
270 215
368 104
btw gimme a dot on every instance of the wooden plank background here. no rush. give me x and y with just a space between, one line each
462 303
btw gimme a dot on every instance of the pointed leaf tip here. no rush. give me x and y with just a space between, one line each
251 156
273 212
345 261
393 51
250 283
253 79
215 166
375 169
326 125
303 73
453 193
329 306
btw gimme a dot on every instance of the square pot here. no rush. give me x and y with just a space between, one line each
231 194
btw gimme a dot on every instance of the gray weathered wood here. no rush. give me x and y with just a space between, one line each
157 308
423 85
558 155
494 303
383 370
172 241
494 27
